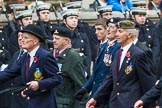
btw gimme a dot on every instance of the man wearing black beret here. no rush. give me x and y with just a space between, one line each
38 70
71 65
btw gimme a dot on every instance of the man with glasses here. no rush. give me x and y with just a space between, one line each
104 59
38 69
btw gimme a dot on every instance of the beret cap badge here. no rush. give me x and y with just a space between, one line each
56 32
126 24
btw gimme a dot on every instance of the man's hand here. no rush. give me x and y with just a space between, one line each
33 85
91 103
79 94
138 104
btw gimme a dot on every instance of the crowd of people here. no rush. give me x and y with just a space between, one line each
114 64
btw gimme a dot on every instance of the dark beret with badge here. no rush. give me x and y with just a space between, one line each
139 11
22 14
103 9
62 31
74 5
113 20
34 30
126 24
69 12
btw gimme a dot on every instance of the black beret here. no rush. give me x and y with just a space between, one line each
113 20
34 30
62 31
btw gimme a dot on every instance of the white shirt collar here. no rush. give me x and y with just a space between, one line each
125 50
135 41
104 41
32 54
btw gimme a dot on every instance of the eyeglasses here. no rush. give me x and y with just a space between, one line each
111 27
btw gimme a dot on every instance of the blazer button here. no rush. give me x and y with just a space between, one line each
149 36
118 93
117 83
28 98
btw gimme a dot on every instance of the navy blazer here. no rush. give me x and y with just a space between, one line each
50 78
130 83
100 68
153 94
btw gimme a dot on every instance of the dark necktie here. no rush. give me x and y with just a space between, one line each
20 54
101 48
27 65
119 53
56 53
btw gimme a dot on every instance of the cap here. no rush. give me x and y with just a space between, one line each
139 11
35 30
22 14
113 20
18 7
62 31
102 9
44 6
73 5
126 24
69 12
141 3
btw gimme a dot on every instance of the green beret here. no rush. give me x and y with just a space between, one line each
126 24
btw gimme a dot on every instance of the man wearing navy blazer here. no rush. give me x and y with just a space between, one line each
129 75
38 70
106 52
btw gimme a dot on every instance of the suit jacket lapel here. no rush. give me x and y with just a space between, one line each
124 65
23 63
33 66
101 51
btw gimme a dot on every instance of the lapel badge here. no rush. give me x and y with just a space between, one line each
38 75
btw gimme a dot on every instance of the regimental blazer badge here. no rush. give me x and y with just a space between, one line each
38 75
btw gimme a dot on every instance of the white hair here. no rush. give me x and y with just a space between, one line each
134 32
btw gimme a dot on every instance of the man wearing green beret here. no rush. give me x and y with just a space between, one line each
71 65
129 75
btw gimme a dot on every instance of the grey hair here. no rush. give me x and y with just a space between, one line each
134 32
